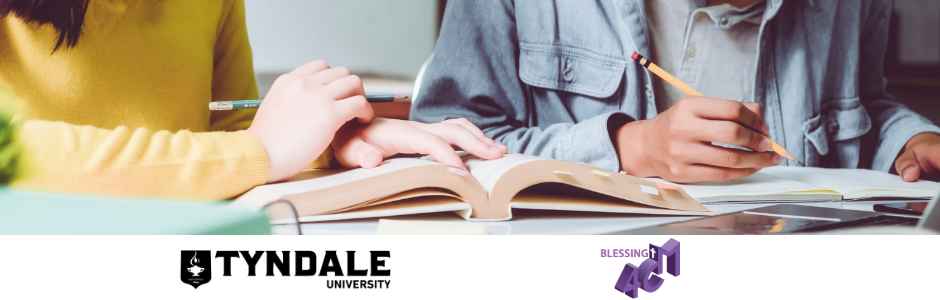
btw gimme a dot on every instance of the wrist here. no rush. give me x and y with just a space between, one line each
629 145
274 170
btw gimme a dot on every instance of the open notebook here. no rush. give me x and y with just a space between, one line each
802 184
404 186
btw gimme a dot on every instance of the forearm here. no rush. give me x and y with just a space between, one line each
139 162
588 141
896 125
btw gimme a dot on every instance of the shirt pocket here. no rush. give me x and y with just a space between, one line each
570 69
836 133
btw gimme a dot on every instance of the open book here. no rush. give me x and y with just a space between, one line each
803 184
403 186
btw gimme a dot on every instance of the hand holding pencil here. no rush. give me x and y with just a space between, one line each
680 143
689 91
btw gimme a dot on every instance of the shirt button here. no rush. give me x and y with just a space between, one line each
723 21
568 73
690 52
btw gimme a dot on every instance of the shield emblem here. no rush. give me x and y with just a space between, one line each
195 267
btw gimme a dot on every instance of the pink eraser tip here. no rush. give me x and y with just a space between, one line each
636 55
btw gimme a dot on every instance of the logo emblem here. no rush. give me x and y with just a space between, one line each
195 267
646 276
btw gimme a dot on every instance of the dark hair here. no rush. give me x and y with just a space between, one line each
66 16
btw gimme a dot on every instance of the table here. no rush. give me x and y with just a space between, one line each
541 222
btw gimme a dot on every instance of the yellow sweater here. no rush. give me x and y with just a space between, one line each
124 113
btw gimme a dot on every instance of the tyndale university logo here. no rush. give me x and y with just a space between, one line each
368 269
195 267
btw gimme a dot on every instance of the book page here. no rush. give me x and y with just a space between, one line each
859 183
574 199
488 172
322 179
416 206
765 185
811 184
510 177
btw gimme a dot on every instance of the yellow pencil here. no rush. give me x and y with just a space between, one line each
688 90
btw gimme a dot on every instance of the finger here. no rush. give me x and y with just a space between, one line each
355 152
727 132
705 154
928 158
411 141
473 129
700 173
345 87
756 109
310 68
459 136
352 151
326 76
729 110
906 166
422 142
355 107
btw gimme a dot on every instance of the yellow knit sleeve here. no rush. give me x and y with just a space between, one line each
62 157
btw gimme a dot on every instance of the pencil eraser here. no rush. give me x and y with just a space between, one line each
636 56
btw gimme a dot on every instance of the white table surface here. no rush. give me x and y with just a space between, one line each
546 222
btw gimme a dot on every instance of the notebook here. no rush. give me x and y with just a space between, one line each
805 184
406 186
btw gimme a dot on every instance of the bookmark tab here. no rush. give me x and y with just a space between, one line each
600 173
567 176
649 190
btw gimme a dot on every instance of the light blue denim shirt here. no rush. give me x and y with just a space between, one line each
553 78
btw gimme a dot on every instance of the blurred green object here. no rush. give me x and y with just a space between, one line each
46 213
9 151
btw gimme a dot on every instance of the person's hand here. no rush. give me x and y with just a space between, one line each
920 158
366 145
677 144
302 112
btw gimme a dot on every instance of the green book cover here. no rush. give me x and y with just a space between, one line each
47 213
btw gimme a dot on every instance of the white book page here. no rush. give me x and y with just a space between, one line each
488 172
764 185
456 206
261 195
859 183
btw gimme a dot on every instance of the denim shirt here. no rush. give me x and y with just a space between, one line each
553 78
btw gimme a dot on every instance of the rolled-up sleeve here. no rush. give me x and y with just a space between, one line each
894 122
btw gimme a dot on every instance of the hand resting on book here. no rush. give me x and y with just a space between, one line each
366 145
316 106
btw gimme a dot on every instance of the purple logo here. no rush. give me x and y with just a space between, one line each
633 278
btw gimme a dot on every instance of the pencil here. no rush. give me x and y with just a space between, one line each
688 90
246 104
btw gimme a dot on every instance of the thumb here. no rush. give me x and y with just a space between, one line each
355 107
356 152
906 166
